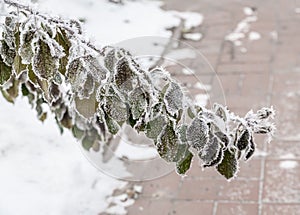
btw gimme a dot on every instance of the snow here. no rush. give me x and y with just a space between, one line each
242 30
188 71
288 164
254 35
288 156
193 36
44 172
297 10
201 86
248 11
111 23
180 54
201 100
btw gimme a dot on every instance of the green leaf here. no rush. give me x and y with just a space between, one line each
87 142
229 165
184 164
244 140
6 96
5 72
77 133
18 66
250 149
13 90
155 127
137 102
112 126
66 120
182 133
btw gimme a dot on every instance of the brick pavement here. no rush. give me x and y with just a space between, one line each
267 74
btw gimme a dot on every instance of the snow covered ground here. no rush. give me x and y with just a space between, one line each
43 172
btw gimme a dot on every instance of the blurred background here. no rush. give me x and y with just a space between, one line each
250 58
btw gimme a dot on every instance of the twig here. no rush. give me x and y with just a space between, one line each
60 23
175 36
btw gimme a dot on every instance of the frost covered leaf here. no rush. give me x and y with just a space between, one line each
137 102
7 54
173 98
110 60
210 150
18 66
250 149
221 112
155 127
167 144
181 132
124 75
243 140
197 133
223 137
89 139
61 38
116 108
13 90
87 107
5 72
229 165
112 126
25 49
83 83
44 64
66 120
184 164
77 132
94 68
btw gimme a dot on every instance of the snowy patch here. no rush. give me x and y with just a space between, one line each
201 100
242 30
111 23
193 36
43 172
187 71
297 10
274 35
289 164
254 35
180 54
201 86
248 11
288 156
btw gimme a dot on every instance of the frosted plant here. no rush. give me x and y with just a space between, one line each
93 92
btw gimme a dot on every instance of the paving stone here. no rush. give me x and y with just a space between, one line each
236 208
191 207
281 209
281 183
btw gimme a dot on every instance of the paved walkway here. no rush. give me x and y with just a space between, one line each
268 73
